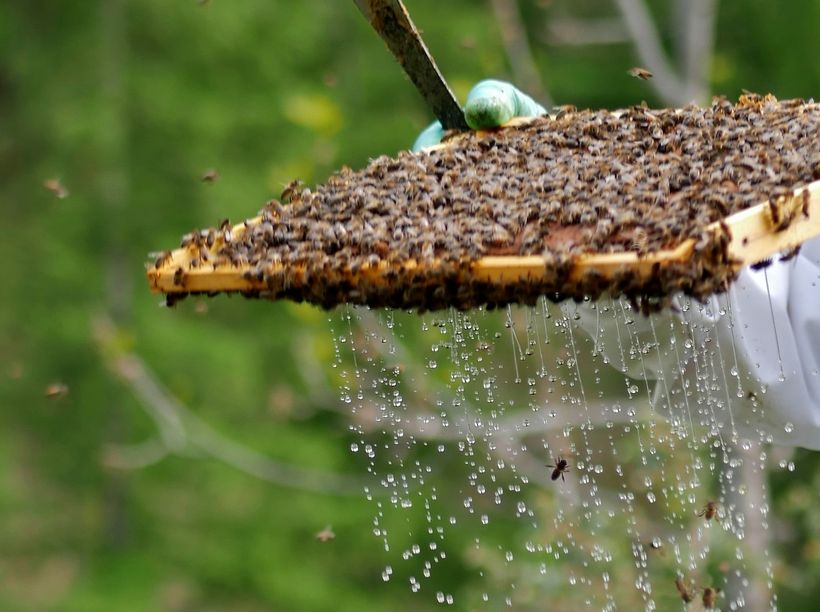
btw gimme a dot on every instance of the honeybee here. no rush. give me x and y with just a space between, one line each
291 191
55 390
710 595
560 467
162 259
685 593
709 511
326 534
210 176
56 187
639 73
790 253
763 263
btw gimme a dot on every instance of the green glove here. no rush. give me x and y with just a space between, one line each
489 104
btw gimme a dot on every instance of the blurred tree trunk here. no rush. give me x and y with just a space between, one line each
696 37
686 79
112 148
517 47
748 494
113 197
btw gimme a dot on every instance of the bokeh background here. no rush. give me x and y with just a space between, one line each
186 458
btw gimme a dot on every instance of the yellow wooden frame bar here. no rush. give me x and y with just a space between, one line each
754 236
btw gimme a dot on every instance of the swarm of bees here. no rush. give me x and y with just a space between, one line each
404 232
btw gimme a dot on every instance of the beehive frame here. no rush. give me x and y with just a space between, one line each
749 236
754 237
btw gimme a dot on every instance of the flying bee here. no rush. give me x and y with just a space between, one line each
709 511
55 390
559 468
210 176
56 187
710 595
326 534
639 73
684 591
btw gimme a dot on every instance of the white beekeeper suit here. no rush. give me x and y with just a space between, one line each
746 362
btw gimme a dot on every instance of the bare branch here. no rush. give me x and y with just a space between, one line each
158 403
571 31
134 456
698 38
519 53
749 493
246 460
317 392
182 432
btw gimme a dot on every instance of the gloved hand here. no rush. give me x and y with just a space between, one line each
489 104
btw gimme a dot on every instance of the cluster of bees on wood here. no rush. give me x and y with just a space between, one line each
405 231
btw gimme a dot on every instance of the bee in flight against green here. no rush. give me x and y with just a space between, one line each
559 468
640 73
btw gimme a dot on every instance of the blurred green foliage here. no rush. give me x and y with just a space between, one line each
128 103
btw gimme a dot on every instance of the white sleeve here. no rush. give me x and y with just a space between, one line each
748 360
778 340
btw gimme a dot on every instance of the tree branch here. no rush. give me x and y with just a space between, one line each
571 31
182 432
647 43
519 53
698 45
